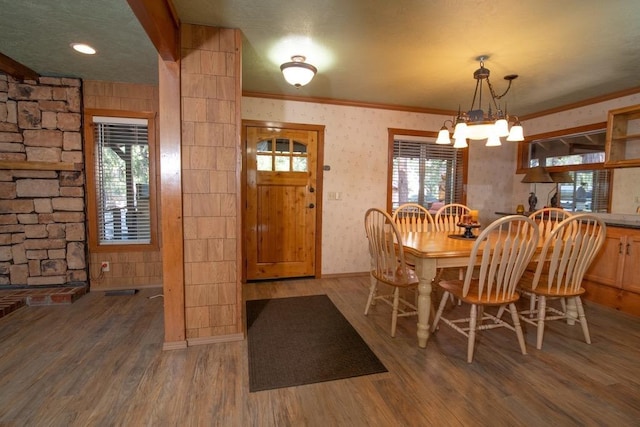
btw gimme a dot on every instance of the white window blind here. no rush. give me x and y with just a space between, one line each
594 195
122 179
425 173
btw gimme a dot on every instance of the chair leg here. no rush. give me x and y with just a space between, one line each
542 311
443 303
473 317
517 327
532 304
583 320
372 294
394 313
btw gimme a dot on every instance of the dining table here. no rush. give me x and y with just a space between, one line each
430 251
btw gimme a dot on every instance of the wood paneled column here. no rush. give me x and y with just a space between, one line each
171 204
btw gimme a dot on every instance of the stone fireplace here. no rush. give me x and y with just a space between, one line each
42 190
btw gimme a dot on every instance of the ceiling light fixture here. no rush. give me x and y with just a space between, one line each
297 72
475 124
83 48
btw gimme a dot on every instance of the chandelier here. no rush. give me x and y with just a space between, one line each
475 124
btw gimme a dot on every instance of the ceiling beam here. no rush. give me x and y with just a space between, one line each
16 69
161 23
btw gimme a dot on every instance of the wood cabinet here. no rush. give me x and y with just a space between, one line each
622 147
614 276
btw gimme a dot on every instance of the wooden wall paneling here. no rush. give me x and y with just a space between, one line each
210 73
171 205
239 184
128 268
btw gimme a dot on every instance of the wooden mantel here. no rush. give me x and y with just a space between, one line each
41 166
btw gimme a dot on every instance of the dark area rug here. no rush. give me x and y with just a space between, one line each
303 340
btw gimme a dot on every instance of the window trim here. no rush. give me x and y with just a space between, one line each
395 133
523 148
90 170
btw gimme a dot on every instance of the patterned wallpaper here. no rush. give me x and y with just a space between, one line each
356 150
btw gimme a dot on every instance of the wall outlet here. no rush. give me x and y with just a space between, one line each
104 266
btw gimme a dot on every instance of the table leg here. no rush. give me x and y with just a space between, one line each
571 310
426 271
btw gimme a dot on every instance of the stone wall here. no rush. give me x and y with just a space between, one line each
42 218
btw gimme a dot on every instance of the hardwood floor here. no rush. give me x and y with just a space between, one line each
100 362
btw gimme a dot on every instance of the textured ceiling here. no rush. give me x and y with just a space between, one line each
412 53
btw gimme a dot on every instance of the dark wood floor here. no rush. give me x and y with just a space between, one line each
100 362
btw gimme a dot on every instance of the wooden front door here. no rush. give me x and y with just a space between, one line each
281 202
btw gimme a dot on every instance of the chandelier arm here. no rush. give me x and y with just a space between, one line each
493 94
475 94
494 97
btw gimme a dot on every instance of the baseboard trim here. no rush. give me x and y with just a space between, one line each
174 345
345 275
214 340
120 288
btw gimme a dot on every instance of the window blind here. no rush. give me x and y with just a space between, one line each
426 173
122 178
600 197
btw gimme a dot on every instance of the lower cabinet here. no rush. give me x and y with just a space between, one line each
614 276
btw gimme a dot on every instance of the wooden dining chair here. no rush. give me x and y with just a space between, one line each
388 266
413 217
498 259
447 219
547 220
566 254
449 216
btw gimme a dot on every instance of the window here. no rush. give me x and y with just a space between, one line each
588 192
119 174
580 153
426 173
281 155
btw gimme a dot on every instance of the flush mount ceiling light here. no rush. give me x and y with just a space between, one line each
297 72
83 48
475 124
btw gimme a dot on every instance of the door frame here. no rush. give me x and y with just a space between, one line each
319 185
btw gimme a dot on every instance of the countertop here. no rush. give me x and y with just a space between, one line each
612 220
623 223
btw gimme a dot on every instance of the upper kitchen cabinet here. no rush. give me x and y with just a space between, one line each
622 147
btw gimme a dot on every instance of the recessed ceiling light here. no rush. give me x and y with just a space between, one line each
83 48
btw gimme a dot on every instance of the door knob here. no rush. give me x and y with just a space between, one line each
311 189
311 205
